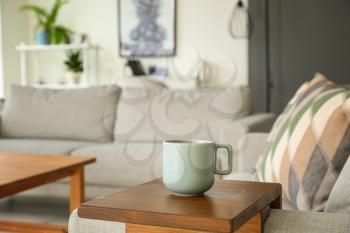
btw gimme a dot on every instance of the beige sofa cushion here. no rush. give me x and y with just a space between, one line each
41 146
122 164
76 114
155 115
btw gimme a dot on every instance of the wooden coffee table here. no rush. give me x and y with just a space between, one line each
20 172
230 206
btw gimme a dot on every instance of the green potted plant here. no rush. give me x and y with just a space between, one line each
46 30
74 65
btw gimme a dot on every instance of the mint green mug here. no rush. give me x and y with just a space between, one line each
189 167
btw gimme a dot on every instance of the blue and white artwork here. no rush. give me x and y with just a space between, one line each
147 28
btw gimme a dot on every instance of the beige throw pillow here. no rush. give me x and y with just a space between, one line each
76 114
309 144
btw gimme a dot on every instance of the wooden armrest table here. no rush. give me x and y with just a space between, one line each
20 172
230 206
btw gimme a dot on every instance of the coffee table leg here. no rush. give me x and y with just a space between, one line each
77 194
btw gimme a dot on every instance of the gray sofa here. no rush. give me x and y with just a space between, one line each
123 129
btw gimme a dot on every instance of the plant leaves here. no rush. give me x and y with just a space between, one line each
74 61
54 11
41 14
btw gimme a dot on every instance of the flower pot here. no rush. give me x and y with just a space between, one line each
42 37
74 77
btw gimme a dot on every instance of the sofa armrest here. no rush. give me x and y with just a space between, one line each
288 221
246 146
251 146
245 156
82 225
233 133
259 122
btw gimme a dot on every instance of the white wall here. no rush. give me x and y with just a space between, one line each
14 30
201 24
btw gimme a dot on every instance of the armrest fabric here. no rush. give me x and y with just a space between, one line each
233 133
82 225
259 122
287 221
251 147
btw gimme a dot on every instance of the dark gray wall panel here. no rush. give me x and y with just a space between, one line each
306 36
257 62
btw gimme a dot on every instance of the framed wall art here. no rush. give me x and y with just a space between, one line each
147 28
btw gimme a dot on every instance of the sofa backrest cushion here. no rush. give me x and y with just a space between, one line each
309 144
339 199
77 114
159 114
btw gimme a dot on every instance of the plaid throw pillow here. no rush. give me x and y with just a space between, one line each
309 144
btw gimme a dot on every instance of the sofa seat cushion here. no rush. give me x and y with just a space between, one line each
289 221
159 114
40 146
86 114
122 164
309 145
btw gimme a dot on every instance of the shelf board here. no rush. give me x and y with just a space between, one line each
25 47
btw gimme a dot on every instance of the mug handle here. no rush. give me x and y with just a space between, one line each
229 154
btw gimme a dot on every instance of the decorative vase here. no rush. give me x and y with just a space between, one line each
42 37
74 77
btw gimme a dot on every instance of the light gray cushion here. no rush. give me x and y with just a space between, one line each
285 221
154 115
122 164
83 225
339 199
76 114
40 146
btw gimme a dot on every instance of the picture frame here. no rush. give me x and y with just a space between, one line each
147 28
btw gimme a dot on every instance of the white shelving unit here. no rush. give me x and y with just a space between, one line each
86 49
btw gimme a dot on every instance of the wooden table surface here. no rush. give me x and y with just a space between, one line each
225 208
19 172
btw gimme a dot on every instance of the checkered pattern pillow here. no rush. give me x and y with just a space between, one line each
309 144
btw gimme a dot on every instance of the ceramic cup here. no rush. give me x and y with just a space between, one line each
189 166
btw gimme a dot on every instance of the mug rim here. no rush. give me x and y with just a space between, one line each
188 142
